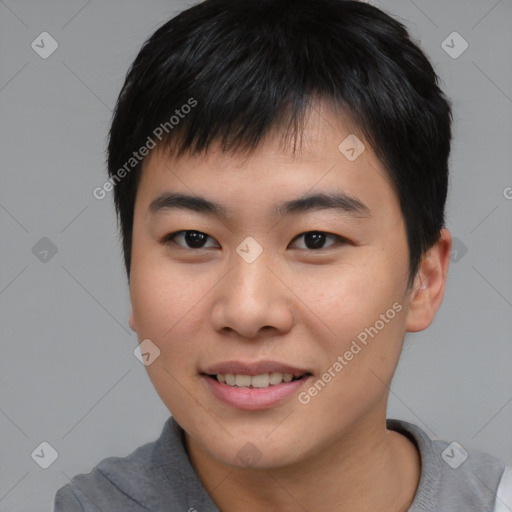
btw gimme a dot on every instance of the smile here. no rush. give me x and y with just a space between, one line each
261 381
254 386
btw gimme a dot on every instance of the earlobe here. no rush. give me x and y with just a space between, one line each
131 322
428 290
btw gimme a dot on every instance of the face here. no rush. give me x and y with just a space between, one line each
267 284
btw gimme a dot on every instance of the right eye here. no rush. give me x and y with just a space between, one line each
190 239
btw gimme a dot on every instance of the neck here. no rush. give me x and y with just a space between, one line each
370 468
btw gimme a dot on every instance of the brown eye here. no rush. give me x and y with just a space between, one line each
189 239
316 240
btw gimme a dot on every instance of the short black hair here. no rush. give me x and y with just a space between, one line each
228 71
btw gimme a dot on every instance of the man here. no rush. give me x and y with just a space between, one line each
280 173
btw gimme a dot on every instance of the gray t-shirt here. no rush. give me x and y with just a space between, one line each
158 477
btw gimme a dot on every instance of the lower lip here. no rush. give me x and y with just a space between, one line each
253 399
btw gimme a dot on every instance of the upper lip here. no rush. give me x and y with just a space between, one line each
254 368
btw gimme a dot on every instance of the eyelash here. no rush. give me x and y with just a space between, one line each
171 236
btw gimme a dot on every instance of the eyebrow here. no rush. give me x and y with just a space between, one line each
341 202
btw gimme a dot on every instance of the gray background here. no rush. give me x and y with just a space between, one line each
68 373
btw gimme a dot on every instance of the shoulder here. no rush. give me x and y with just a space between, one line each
452 477
141 481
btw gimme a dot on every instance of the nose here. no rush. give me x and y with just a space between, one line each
251 300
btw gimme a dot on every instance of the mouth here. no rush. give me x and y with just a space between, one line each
254 386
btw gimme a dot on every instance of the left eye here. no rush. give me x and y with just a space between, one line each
316 239
193 239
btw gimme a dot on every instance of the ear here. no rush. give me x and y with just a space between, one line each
131 321
428 289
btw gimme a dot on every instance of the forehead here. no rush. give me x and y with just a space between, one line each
330 155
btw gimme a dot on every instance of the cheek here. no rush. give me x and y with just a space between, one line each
349 297
166 303
362 305
360 352
166 310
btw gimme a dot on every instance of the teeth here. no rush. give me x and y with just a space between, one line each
256 381
243 381
275 378
260 381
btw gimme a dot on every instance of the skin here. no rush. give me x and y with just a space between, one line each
293 304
